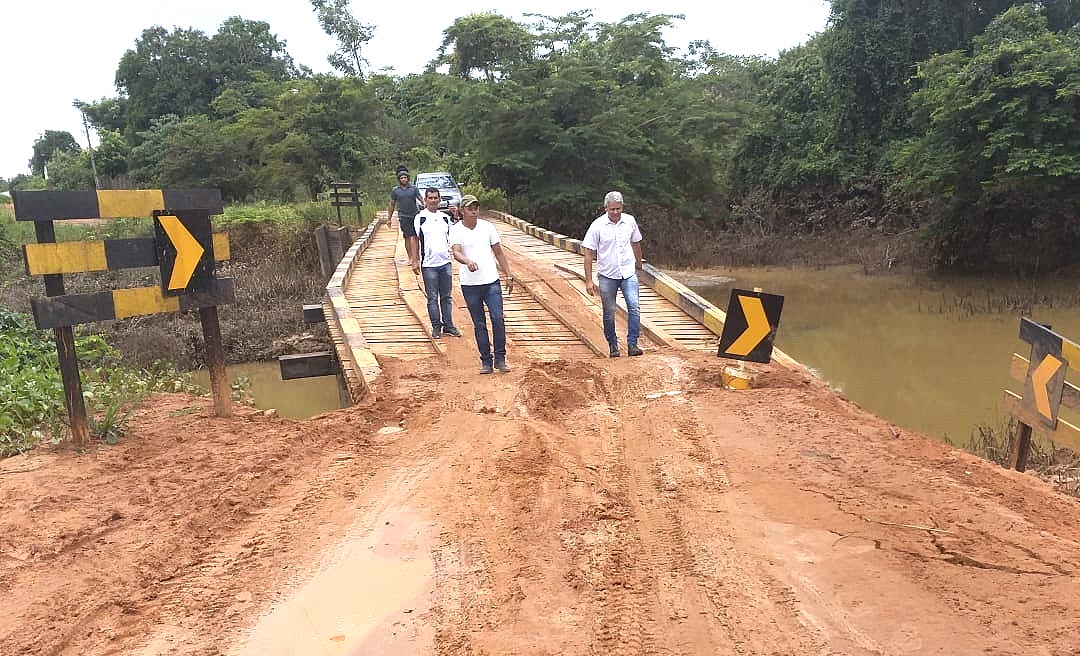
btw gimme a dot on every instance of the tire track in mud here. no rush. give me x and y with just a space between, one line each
726 601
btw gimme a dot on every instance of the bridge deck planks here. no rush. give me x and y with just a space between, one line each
686 330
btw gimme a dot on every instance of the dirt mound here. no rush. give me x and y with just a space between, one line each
553 390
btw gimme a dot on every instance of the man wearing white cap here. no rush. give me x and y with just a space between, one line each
476 246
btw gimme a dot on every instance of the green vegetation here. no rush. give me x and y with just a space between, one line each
32 393
956 119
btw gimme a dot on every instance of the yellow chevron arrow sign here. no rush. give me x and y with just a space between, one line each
757 326
1040 381
188 251
750 325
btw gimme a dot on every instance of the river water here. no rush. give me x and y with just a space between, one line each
297 399
927 353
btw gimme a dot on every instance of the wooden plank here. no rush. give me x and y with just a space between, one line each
307 365
64 257
75 309
65 351
111 203
142 202
48 205
313 313
142 300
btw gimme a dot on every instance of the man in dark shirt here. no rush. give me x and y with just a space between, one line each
404 197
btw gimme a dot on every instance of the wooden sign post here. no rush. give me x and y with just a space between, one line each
1045 390
345 194
183 247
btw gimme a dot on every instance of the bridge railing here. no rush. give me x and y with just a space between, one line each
359 368
701 310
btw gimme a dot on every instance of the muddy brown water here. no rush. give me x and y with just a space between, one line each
929 354
296 399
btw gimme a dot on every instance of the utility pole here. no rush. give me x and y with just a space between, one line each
79 105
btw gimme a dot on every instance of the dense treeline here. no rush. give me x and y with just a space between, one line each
959 118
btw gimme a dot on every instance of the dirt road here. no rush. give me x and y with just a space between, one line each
564 508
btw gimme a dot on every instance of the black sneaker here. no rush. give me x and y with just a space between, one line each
436 333
614 353
502 366
634 350
451 330
486 369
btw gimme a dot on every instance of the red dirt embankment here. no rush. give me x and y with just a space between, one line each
567 507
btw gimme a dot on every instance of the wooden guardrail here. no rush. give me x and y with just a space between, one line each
359 368
1045 390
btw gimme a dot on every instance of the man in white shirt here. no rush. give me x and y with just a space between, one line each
432 228
476 245
613 241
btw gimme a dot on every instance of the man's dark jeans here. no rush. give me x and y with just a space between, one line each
437 283
476 296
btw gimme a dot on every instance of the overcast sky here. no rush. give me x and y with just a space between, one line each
56 51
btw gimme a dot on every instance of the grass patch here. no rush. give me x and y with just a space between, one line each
32 394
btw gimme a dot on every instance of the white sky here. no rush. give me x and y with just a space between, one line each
60 50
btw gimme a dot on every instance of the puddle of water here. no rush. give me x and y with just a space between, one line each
297 399
368 599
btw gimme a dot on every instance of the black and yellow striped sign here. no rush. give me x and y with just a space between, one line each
183 247
74 309
105 255
111 204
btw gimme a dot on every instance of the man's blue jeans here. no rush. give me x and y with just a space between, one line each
437 283
476 296
608 289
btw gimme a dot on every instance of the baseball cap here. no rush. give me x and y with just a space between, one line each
469 199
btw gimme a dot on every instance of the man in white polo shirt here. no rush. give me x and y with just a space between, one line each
476 245
432 229
613 241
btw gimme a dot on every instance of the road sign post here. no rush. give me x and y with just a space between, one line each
65 352
184 248
345 194
1042 375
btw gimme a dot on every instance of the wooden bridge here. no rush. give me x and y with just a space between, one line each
376 308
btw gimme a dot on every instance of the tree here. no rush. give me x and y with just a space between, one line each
351 34
166 73
107 113
488 43
245 51
181 72
999 143
70 170
112 153
47 145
